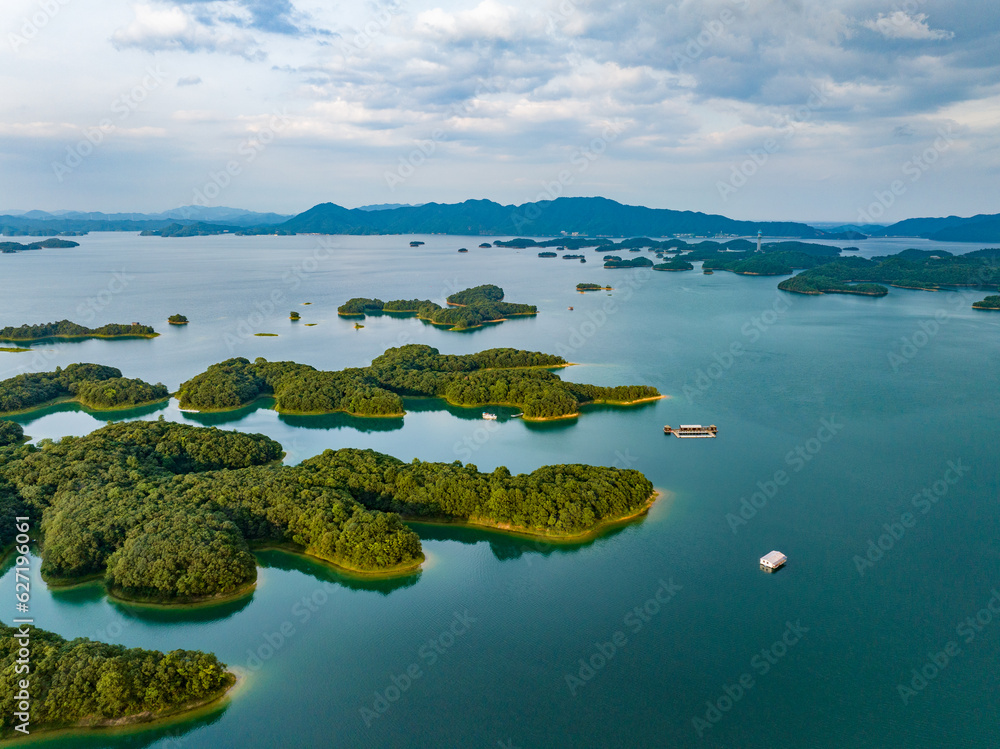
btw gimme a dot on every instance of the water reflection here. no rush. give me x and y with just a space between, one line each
173 733
118 414
316 569
506 546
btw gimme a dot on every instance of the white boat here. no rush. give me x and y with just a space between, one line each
489 416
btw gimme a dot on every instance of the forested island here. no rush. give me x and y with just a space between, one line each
168 513
68 329
675 264
910 269
45 244
592 287
990 302
86 684
177 320
501 376
470 308
635 262
93 385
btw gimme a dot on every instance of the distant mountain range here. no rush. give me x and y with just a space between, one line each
562 216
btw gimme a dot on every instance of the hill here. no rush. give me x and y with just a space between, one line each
585 216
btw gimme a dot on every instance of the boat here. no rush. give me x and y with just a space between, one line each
488 416
570 309
691 430
772 561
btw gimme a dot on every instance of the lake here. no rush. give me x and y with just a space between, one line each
837 415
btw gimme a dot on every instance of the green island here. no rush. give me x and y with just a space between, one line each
94 386
177 320
14 349
86 684
467 309
45 244
592 287
547 254
636 262
910 269
990 302
675 264
293 315
504 376
168 513
67 329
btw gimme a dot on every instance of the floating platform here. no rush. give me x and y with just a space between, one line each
772 561
691 430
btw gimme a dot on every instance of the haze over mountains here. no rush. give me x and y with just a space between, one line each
582 216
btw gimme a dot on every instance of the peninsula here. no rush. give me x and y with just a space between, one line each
94 386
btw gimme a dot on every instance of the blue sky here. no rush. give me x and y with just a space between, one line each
756 109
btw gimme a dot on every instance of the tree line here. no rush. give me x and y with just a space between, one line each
502 376
83 682
94 385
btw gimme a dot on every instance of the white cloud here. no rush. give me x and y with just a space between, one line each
901 25
171 28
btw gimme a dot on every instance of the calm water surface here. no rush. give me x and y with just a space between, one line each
838 438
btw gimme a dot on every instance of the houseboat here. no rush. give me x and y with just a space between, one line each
488 416
691 430
772 561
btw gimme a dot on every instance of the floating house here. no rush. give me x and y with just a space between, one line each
691 430
772 561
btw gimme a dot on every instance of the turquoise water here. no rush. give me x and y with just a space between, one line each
842 438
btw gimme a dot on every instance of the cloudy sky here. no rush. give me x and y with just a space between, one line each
756 109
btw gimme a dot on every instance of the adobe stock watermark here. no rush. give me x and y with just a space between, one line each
968 630
426 148
914 168
429 653
740 174
248 151
581 159
712 30
761 664
796 459
89 309
752 330
33 24
922 502
927 330
291 280
635 620
595 320
96 135
373 28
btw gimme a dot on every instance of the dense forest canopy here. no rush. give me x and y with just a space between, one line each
94 385
501 376
470 308
562 499
170 512
67 329
915 269
82 682
167 511
990 302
